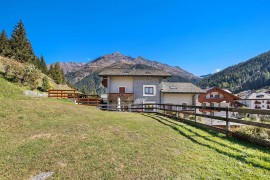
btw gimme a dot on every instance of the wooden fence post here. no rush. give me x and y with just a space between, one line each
164 109
228 127
195 113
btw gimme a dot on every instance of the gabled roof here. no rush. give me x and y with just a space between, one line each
223 91
180 87
134 72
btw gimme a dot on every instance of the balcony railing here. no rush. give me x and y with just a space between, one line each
212 99
257 107
124 97
257 102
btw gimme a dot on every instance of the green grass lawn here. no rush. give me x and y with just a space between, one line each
79 142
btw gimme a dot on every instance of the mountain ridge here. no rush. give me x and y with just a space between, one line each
77 72
253 73
109 59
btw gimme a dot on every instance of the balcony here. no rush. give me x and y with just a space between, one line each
257 102
213 99
257 107
124 97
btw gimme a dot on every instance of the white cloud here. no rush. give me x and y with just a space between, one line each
217 70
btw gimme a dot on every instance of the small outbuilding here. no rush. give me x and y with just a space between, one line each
183 93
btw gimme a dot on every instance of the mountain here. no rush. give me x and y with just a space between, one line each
86 74
251 74
70 66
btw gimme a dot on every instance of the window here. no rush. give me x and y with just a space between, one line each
149 90
122 90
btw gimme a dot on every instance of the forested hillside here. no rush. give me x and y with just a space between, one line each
27 67
251 74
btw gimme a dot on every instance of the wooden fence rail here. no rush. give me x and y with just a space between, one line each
80 98
191 111
88 101
63 94
173 111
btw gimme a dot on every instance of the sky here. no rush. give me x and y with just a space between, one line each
200 36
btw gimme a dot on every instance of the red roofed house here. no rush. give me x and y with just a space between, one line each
217 97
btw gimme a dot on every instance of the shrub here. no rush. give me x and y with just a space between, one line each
30 76
265 119
256 132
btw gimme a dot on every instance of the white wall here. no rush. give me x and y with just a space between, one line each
177 98
115 82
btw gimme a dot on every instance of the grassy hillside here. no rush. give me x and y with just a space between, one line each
251 74
79 142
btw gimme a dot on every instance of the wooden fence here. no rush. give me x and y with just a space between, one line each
176 111
88 101
63 94
192 110
79 98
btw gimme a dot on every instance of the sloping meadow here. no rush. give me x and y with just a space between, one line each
78 142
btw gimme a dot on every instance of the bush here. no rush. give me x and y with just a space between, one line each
265 119
256 132
30 76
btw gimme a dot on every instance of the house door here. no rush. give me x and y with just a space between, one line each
122 90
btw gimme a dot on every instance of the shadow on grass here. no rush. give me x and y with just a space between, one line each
239 157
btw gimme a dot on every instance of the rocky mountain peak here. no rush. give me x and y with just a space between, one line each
118 60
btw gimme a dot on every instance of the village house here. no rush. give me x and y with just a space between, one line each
258 100
142 86
217 97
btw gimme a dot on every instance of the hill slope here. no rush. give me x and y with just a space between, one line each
81 74
41 135
7 61
251 74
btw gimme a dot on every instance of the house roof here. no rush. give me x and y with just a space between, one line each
260 95
223 91
180 87
134 72
228 97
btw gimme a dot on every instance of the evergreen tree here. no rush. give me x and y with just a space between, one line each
84 90
57 74
5 49
63 76
20 46
46 84
43 66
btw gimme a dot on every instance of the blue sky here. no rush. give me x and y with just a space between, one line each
198 36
